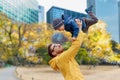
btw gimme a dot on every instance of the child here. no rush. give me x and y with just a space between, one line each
69 23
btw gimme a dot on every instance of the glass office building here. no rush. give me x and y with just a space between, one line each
92 2
107 11
24 11
56 12
41 14
119 18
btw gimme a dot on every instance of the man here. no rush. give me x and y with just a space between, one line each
64 61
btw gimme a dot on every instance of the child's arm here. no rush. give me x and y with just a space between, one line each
79 23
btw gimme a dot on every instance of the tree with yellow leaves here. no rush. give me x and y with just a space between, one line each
17 38
98 42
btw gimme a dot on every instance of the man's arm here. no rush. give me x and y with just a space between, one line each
73 50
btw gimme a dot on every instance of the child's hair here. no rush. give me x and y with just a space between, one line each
57 23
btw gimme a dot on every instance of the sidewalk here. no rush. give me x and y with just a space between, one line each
8 73
46 73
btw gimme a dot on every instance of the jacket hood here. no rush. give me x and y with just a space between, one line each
66 18
53 64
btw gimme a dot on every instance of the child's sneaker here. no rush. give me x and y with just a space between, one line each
89 9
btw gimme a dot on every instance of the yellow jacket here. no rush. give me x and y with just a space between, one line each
66 63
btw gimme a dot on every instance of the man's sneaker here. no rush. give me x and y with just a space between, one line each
89 9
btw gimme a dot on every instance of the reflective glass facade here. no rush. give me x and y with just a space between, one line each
107 11
55 12
92 2
41 14
119 18
24 11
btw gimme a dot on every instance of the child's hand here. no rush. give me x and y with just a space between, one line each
79 22
73 39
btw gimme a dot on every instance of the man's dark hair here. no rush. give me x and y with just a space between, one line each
50 51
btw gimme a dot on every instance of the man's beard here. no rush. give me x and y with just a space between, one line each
61 51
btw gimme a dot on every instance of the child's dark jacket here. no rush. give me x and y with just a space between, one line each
71 25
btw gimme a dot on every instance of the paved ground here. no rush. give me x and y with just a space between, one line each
8 74
46 73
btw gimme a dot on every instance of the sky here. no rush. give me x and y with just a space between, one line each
75 5
106 10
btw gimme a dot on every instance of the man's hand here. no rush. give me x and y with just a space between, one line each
79 23
73 39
